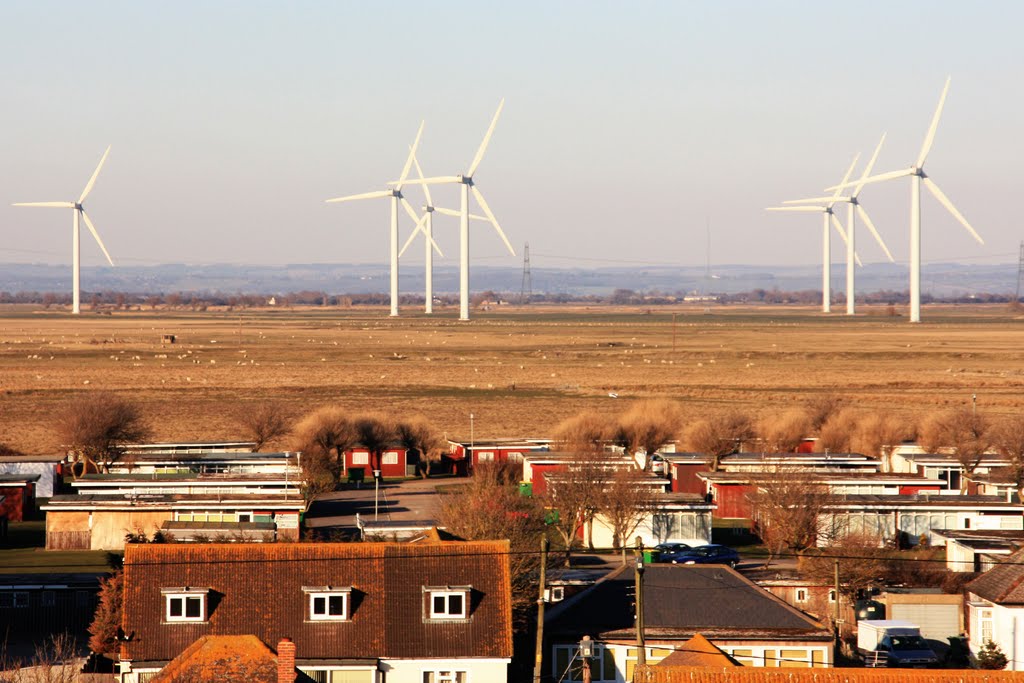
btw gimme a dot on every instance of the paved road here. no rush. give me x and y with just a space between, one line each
413 499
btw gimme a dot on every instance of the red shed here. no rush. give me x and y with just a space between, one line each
683 469
464 456
17 496
394 462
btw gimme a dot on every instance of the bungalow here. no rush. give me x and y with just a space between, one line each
395 462
17 496
138 484
741 619
184 462
101 522
671 517
463 456
48 467
34 607
911 459
357 612
995 610
538 466
978 550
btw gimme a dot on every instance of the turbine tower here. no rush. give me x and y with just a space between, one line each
828 216
395 193
466 181
853 206
76 242
917 176
425 225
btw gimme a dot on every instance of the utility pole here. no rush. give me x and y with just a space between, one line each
526 291
1020 273
835 616
540 610
673 335
641 649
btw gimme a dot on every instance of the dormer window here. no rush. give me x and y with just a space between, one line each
185 604
447 602
328 603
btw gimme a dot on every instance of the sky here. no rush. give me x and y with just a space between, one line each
631 131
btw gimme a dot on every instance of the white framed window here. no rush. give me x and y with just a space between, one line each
445 676
447 602
984 625
184 604
390 458
801 595
360 458
832 595
327 603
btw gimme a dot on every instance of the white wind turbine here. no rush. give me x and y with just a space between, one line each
917 176
425 225
78 211
395 193
827 216
853 206
466 181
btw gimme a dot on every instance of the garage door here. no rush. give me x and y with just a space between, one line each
937 622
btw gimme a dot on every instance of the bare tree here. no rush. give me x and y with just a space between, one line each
869 569
573 492
787 506
375 432
489 506
820 408
962 432
647 426
836 434
1008 439
719 435
418 436
784 433
264 423
323 436
586 431
878 434
97 426
624 501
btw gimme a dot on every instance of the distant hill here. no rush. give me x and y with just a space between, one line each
938 279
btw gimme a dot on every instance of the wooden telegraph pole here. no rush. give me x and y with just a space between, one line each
641 649
539 655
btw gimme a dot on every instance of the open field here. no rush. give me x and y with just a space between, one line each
518 371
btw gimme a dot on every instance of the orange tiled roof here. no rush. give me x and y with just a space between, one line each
698 651
692 674
216 659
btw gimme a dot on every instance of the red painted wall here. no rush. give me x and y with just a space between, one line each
540 485
18 503
911 490
393 469
732 500
685 480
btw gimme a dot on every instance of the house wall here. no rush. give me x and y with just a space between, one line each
411 670
109 527
685 480
540 485
16 502
1007 629
681 526
392 462
732 500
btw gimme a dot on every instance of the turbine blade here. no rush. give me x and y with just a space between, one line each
839 228
412 154
930 137
55 205
815 200
412 235
871 226
426 188
366 195
490 216
474 217
487 139
436 180
446 212
802 209
867 169
856 258
92 180
849 172
409 210
92 229
944 200
882 177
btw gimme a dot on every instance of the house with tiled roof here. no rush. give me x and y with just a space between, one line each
739 618
995 609
217 659
358 612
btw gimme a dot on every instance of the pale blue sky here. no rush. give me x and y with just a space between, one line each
626 125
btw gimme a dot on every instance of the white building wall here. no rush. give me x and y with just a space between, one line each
1007 631
47 472
477 670
692 527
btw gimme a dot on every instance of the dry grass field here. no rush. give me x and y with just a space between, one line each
518 371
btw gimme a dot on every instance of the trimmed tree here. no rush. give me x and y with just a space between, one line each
106 622
96 427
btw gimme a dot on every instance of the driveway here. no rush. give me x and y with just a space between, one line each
404 501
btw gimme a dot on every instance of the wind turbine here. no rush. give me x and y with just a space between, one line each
425 225
853 206
827 216
76 242
917 176
466 181
395 193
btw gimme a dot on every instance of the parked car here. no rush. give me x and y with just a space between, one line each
658 465
667 552
708 554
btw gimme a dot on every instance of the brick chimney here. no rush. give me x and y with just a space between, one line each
286 661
